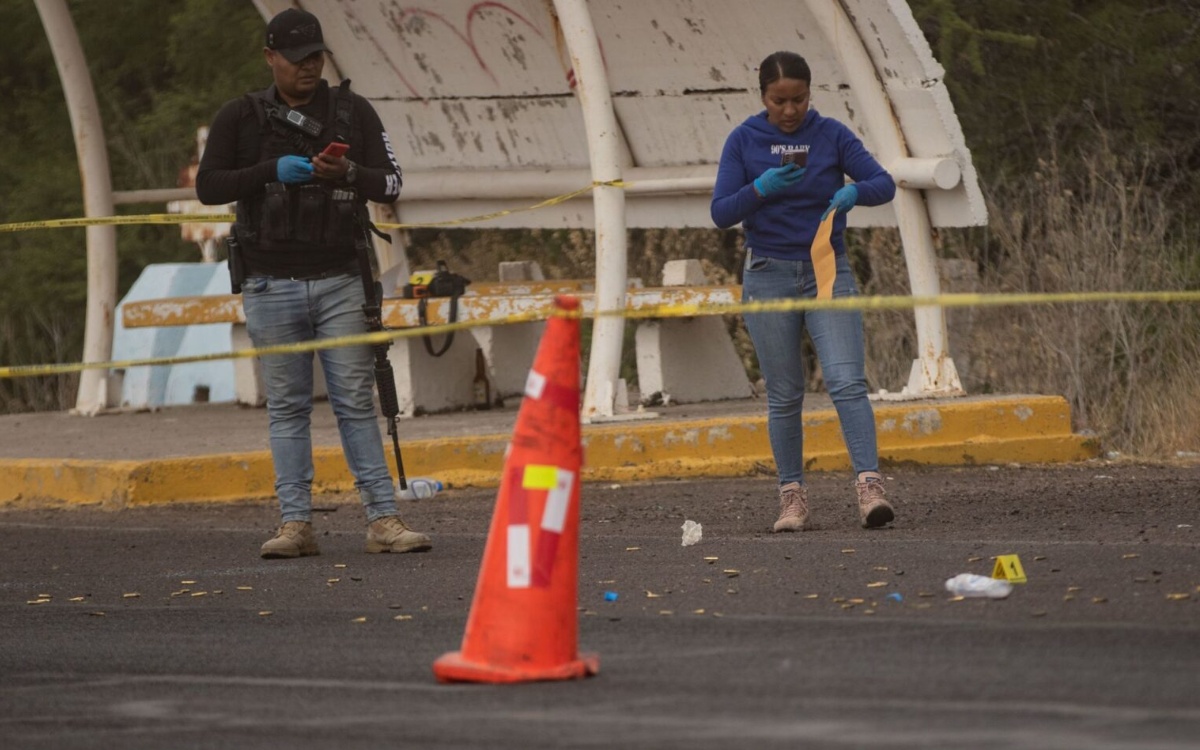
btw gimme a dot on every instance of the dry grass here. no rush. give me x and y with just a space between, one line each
1128 370
38 339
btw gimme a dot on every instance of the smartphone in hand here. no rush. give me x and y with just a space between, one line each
336 149
799 158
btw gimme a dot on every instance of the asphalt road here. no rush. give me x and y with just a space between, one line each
835 638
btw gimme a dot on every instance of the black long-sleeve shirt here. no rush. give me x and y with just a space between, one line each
234 169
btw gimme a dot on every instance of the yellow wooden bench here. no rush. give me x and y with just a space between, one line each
227 308
426 384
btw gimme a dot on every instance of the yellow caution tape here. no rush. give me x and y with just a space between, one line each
826 273
93 221
22 226
896 302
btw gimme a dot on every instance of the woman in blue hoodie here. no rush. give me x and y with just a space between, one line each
782 175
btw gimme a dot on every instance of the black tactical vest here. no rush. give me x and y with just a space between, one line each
313 213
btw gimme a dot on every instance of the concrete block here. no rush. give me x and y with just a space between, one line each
688 272
509 351
248 385
170 385
427 384
521 270
688 359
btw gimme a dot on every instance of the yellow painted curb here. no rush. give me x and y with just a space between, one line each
1003 429
26 482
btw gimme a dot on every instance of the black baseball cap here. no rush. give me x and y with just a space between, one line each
295 34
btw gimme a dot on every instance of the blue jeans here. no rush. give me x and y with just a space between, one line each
284 311
837 337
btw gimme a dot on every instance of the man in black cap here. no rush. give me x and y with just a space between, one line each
300 213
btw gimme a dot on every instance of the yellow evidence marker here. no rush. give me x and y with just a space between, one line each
1008 568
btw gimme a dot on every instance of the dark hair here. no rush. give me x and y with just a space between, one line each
782 65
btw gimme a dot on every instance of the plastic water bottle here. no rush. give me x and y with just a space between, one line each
419 488
971 585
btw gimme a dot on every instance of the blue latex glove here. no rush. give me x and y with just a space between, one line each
293 169
777 178
843 200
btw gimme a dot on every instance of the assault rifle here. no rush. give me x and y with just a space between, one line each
385 378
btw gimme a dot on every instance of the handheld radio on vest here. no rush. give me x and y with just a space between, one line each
301 122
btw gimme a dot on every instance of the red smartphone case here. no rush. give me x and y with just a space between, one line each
336 149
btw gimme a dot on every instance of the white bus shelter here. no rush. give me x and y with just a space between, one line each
496 105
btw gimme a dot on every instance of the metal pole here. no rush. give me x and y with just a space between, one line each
604 139
933 371
92 153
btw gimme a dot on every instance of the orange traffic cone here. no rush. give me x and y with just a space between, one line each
523 624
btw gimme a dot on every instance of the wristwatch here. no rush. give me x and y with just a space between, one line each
351 172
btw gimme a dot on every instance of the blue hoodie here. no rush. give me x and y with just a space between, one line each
783 225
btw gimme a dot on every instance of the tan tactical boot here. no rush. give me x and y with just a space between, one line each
389 534
793 507
873 507
294 539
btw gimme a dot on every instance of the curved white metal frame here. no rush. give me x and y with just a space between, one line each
604 151
92 396
873 91
933 371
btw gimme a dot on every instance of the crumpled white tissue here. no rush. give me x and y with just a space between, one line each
691 533
972 585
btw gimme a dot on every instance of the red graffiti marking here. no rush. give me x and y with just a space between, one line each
398 17
398 20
